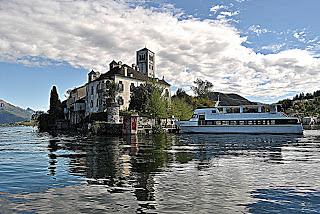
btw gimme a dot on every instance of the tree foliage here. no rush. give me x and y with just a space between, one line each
194 102
111 93
304 104
181 109
157 105
202 88
147 99
139 98
55 108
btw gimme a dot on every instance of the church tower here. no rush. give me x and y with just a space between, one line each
146 62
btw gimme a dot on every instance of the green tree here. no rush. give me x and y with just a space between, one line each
111 92
181 109
157 105
181 94
140 97
55 108
202 88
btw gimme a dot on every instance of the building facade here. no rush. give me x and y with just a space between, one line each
125 77
75 110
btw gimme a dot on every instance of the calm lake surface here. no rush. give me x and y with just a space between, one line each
40 173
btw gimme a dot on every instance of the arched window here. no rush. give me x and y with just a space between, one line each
120 101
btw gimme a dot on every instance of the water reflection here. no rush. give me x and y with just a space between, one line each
132 163
283 200
165 173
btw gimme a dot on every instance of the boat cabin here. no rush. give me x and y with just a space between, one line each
242 115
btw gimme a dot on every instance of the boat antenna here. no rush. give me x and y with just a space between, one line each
218 101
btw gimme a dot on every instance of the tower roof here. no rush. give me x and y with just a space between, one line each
145 49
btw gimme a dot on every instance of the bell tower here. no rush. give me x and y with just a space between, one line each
146 62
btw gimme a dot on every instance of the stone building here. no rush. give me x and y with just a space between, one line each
125 77
75 110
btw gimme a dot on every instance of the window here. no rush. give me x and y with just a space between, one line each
120 86
120 100
209 122
98 86
132 87
91 90
108 83
166 94
142 57
91 104
233 123
224 123
97 103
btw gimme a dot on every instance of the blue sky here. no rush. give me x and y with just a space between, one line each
264 50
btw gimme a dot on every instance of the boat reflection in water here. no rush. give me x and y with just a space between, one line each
185 172
178 173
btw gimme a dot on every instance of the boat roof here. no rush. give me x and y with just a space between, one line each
258 105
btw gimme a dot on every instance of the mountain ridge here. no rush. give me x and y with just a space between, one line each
230 99
10 113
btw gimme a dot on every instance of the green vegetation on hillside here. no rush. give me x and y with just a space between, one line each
303 104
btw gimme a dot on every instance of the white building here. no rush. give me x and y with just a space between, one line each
126 78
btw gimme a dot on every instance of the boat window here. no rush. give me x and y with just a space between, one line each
195 116
225 122
273 122
201 117
233 110
209 122
233 123
286 121
214 111
218 123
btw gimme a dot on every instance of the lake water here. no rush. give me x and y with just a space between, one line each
40 173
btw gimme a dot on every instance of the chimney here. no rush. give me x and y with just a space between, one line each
134 66
131 75
125 71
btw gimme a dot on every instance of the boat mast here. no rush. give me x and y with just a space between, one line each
218 101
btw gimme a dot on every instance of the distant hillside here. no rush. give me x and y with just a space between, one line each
229 99
11 114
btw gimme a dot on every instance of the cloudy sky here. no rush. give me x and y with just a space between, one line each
264 50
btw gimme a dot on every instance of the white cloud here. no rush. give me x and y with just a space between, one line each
258 30
90 34
216 8
300 36
274 47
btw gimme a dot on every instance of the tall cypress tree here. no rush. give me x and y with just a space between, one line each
55 109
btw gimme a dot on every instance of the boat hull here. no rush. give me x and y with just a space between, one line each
259 129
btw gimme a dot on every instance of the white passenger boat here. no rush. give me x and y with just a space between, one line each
248 119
